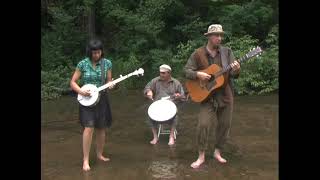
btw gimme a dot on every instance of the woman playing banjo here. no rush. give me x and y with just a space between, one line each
160 87
93 70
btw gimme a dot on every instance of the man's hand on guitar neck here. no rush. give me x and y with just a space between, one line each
235 67
203 76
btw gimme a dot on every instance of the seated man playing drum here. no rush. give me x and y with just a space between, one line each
160 87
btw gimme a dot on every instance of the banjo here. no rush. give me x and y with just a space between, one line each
93 99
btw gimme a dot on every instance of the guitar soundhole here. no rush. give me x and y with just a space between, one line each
212 78
211 82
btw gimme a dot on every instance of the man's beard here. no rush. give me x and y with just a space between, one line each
215 46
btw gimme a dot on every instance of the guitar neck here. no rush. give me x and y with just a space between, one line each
227 68
114 82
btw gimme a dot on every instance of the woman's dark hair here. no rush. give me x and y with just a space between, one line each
93 45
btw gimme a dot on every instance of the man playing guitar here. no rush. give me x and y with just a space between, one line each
218 107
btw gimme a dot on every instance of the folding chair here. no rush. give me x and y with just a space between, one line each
162 130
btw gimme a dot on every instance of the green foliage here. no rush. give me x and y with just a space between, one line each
259 75
58 45
158 57
149 33
181 57
60 50
88 3
191 28
124 66
55 82
252 18
272 38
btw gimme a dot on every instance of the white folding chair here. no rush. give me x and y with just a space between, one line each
162 130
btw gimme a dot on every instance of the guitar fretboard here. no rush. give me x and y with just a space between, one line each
227 68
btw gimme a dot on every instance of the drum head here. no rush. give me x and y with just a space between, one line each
162 110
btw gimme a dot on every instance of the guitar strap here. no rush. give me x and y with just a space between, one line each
218 102
224 59
102 73
225 63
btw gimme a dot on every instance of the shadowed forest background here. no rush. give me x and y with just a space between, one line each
148 33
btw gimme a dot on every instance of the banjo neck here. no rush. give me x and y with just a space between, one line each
121 78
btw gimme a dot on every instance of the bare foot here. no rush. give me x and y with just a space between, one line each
197 163
85 166
154 141
217 155
171 141
102 158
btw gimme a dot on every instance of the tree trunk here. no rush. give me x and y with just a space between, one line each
91 23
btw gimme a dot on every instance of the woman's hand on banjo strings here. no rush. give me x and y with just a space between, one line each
85 92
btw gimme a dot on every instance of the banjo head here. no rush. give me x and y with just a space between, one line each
89 100
162 110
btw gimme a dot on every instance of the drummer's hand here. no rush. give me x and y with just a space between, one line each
177 95
150 95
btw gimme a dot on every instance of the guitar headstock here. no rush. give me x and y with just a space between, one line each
254 52
138 72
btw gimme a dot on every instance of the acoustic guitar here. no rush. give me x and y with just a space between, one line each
93 99
200 90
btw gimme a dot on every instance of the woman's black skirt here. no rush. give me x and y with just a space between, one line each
98 116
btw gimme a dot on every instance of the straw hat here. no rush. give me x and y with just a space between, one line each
214 29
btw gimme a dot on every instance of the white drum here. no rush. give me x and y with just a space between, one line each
162 110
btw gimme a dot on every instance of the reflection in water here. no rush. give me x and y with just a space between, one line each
87 176
165 169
